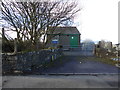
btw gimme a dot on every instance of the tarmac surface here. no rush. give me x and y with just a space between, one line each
81 65
52 81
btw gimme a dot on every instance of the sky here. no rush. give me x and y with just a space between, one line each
98 20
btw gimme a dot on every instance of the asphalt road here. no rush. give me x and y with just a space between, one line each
47 81
78 64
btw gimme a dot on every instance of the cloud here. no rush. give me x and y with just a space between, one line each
99 20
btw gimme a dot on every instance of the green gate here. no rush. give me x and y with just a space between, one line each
74 41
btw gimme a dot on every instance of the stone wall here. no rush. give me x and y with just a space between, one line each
28 61
8 63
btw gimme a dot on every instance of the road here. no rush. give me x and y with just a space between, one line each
48 81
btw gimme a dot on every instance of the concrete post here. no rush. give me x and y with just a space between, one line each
15 46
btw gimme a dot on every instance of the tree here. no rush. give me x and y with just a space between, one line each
31 20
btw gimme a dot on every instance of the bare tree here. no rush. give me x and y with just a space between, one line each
31 20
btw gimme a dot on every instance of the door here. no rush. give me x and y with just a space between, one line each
73 41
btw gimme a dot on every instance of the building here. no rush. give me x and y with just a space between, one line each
116 46
106 45
68 37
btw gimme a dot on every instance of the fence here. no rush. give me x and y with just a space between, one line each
28 61
79 50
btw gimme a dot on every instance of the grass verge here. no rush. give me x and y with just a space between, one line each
103 60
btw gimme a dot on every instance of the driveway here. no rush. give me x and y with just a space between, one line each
76 64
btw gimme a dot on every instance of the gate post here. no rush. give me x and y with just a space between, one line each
15 46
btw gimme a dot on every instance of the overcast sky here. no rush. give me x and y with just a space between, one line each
98 20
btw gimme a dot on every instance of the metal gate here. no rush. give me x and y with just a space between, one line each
80 50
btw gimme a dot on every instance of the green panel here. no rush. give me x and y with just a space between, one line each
73 41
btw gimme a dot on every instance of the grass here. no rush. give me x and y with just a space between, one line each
103 60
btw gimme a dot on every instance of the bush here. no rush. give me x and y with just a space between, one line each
22 46
7 46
